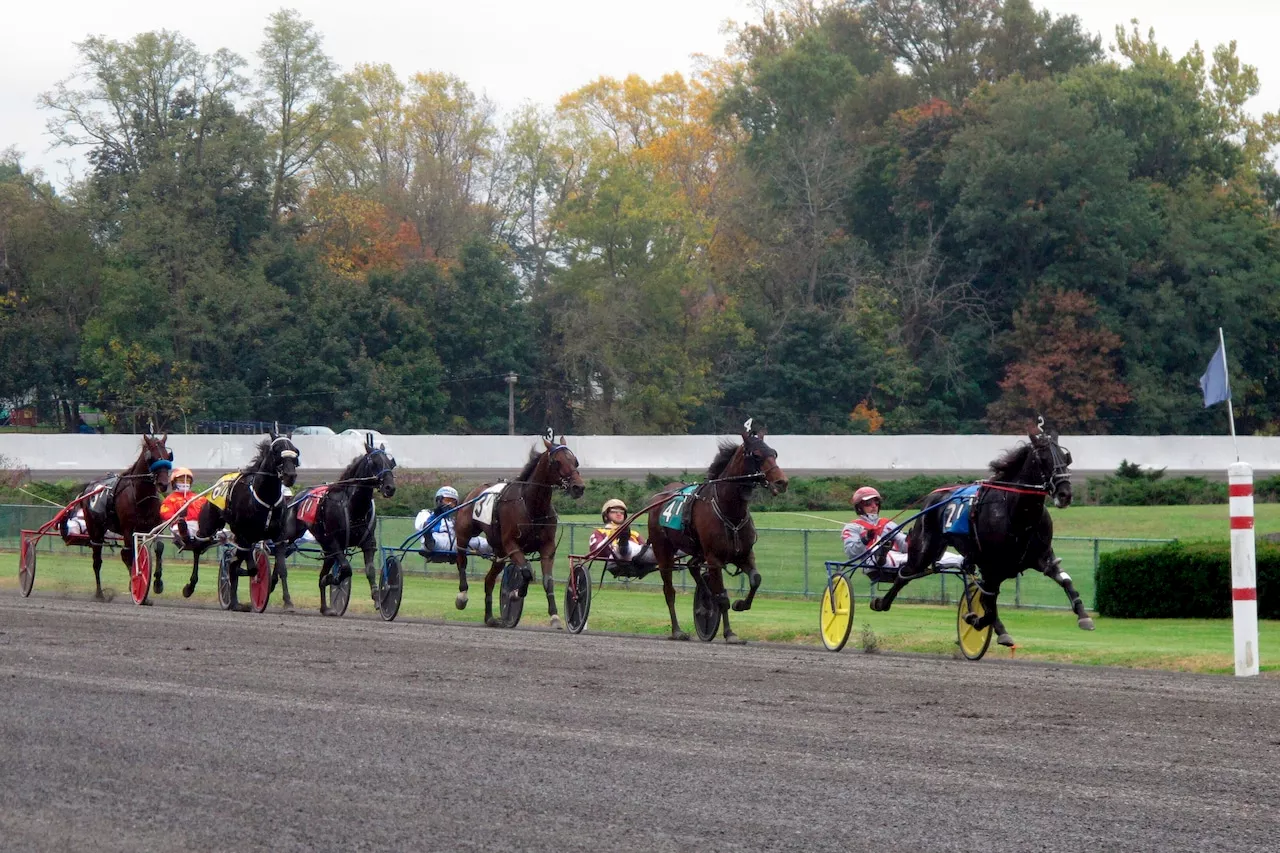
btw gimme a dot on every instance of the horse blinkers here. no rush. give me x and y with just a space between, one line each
386 476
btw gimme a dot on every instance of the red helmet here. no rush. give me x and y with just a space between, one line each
866 493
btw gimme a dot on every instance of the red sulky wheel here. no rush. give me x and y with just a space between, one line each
140 577
260 582
27 565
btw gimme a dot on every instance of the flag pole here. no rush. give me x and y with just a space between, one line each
1231 416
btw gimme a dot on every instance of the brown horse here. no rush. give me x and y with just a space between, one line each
522 521
130 503
718 528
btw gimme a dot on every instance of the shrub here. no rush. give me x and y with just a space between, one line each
1181 581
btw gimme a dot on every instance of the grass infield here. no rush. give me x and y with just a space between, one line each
1188 645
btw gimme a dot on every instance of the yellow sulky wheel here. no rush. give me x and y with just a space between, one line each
837 613
973 641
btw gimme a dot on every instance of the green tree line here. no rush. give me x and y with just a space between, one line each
867 215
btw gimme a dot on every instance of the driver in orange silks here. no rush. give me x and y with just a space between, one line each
183 528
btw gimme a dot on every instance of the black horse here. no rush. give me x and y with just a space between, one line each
344 516
129 503
253 506
1009 528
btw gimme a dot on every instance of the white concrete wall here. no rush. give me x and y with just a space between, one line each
75 456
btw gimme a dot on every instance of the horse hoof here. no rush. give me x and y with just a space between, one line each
1086 623
240 607
972 619
1005 640
556 623
740 605
461 601
734 640
98 596
877 604
188 589
493 623
158 586
287 606
148 603
678 635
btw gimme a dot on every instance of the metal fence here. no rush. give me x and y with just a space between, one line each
790 560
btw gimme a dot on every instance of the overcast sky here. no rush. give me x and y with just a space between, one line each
512 50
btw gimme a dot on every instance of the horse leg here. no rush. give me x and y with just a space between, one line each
157 584
326 567
190 586
991 615
715 577
1052 568
461 601
494 569
97 572
669 591
548 561
280 572
884 602
749 566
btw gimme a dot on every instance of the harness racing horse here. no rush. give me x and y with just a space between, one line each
1009 529
131 503
343 517
717 529
522 521
252 504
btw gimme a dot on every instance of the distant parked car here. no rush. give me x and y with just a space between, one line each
378 438
313 430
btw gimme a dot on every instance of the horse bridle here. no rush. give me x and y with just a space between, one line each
567 479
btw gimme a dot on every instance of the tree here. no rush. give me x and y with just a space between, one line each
1062 365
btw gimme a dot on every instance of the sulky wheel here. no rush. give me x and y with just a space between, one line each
577 598
390 588
511 605
140 577
260 580
27 565
973 641
836 621
224 578
340 596
706 612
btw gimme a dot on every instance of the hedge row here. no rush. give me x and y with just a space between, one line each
1181 581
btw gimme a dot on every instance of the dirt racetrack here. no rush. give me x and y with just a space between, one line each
178 728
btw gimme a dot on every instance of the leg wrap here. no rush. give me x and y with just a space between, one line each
549 584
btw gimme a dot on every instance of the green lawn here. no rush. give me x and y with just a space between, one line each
1185 644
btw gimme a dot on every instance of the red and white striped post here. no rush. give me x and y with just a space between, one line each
1244 573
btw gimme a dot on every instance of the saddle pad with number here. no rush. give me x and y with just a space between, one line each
98 503
482 509
955 515
674 510
308 504
222 488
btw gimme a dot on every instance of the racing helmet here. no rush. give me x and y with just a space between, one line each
612 503
445 492
866 493
180 474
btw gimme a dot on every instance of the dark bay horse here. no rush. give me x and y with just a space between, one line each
131 504
718 530
344 517
253 506
522 521
1009 529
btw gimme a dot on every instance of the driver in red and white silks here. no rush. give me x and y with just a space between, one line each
869 530
626 546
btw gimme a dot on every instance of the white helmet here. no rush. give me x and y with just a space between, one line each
612 503
446 492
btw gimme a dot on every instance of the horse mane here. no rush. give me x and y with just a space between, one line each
349 472
1010 463
527 471
724 452
264 447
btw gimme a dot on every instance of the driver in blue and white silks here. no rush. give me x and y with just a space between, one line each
440 524
868 530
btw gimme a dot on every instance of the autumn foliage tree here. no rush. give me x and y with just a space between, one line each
1062 366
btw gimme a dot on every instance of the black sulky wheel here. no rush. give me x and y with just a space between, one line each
27 565
577 598
973 642
224 578
706 612
340 596
390 588
511 604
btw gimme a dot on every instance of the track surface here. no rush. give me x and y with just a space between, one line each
172 727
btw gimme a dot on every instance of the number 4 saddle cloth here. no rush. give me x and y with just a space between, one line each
675 512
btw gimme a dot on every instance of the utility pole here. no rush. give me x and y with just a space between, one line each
511 403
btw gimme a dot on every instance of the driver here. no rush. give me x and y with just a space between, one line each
627 546
184 528
868 530
440 526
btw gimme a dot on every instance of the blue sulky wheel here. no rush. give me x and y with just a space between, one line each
972 641
511 604
577 598
706 612
390 588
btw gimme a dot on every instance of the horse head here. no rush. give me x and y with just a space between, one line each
282 459
158 459
1053 461
383 466
760 459
562 465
